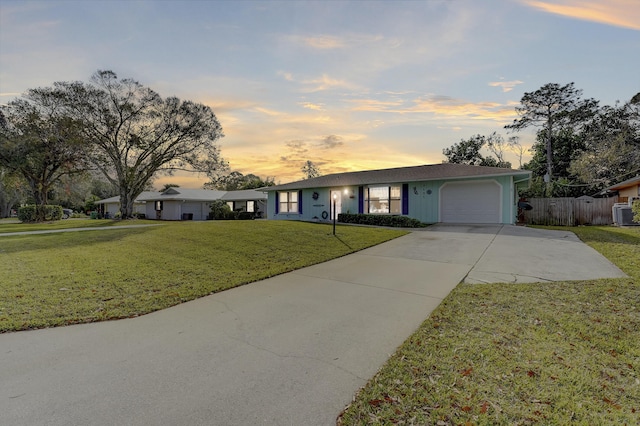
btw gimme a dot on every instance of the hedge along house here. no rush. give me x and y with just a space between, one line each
447 193
186 204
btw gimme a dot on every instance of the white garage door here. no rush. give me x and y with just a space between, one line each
470 202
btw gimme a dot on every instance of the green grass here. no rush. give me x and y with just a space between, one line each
527 354
7 226
76 277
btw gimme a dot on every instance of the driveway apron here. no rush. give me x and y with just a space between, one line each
290 350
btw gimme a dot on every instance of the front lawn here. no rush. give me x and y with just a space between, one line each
74 277
525 354
7 226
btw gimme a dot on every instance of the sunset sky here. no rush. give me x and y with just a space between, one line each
348 85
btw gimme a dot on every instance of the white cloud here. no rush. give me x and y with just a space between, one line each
619 13
506 86
312 106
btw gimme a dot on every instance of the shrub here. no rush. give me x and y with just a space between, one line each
219 210
380 220
246 216
635 208
29 213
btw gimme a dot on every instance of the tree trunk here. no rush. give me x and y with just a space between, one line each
549 156
126 204
5 206
41 199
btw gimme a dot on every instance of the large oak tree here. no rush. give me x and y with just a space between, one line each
133 133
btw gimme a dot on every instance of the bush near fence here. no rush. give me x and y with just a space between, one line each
570 211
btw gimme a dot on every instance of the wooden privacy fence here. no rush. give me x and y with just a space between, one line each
570 211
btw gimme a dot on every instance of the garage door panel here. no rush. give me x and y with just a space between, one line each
470 202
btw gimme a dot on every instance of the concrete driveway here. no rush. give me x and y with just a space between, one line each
290 350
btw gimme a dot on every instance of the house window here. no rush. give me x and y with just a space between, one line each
383 200
158 206
288 202
231 205
251 206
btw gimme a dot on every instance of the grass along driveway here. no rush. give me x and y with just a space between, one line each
521 354
66 278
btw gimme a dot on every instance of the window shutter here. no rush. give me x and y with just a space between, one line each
300 202
277 202
405 198
361 199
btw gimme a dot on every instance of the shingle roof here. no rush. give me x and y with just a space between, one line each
247 194
144 196
193 195
625 184
187 194
398 175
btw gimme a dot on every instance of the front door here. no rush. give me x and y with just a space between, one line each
336 199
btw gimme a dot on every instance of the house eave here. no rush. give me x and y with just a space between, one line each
343 179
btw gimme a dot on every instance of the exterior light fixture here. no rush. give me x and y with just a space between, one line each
335 197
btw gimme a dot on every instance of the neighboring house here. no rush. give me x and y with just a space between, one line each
186 204
111 206
248 200
449 193
627 190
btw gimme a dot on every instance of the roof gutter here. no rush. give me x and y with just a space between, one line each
301 184
522 180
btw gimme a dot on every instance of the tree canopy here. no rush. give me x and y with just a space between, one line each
580 147
611 150
310 170
40 143
553 108
467 151
133 133
598 149
236 181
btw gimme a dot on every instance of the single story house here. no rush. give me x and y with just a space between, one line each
627 190
448 193
248 200
111 206
187 204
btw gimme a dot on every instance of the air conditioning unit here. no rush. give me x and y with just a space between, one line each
623 215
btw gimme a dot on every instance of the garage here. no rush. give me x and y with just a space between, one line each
471 202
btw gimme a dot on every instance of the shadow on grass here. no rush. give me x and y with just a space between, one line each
609 235
345 243
62 240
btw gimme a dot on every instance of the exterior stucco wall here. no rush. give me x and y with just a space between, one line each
114 208
171 210
111 209
150 210
633 191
